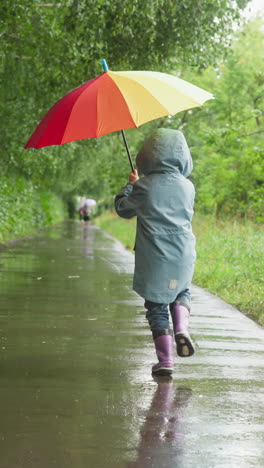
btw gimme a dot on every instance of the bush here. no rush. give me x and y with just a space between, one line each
24 208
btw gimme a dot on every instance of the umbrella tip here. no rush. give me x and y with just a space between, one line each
105 66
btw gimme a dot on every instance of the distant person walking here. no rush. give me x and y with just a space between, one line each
85 208
85 212
165 255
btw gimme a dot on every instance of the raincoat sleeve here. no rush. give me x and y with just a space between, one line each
126 201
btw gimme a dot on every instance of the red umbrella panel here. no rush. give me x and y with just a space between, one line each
76 115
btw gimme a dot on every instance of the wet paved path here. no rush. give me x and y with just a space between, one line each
76 353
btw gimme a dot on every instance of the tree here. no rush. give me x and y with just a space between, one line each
48 48
227 135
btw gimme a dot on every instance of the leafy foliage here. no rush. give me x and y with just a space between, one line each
23 208
49 48
143 34
227 136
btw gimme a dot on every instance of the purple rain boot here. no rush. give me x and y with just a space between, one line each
163 340
180 319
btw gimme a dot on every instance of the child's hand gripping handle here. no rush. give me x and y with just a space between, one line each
133 176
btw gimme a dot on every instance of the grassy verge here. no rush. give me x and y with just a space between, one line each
25 209
230 258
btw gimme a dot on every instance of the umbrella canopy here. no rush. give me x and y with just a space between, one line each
115 101
89 202
86 202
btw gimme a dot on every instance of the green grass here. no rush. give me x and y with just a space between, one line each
230 258
123 229
230 263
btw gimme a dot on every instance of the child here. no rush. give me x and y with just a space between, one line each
165 255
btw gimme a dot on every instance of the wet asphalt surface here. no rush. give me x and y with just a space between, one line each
76 353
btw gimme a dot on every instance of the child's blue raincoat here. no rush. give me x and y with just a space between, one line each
163 203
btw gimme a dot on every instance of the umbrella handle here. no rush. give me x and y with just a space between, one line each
128 152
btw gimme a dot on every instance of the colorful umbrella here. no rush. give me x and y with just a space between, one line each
115 101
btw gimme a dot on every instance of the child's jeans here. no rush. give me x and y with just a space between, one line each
158 314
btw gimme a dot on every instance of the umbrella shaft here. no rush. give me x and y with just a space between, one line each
128 152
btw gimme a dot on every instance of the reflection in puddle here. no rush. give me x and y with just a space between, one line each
88 237
75 359
162 436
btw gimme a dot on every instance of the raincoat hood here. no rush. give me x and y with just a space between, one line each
165 150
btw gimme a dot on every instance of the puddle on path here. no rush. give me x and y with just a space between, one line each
76 353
